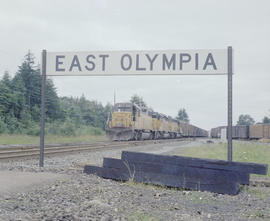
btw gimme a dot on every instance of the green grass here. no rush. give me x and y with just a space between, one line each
8 139
242 152
260 194
139 216
264 140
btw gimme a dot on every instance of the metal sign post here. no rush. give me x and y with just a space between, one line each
229 103
42 110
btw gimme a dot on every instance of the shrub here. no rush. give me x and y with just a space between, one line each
61 128
3 127
68 129
33 129
13 125
58 128
89 130
96 131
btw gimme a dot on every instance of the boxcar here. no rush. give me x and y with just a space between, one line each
240 132
216 132
259 131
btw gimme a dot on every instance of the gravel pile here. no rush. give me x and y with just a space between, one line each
88 197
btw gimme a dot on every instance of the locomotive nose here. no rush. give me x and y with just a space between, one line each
121 120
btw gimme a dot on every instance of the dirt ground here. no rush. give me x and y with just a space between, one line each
78 196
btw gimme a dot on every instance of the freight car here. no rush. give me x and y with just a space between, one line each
256 131
259 131
131 122
240 132
201 132
190 130
216 132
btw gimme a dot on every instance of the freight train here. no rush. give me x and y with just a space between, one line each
257 131
128 121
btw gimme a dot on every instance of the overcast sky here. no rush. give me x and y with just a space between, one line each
104 25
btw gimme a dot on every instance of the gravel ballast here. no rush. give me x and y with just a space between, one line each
78 196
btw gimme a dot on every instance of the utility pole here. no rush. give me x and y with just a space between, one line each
114 98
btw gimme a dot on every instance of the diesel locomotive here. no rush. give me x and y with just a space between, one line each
128 121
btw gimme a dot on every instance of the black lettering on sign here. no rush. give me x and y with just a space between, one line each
196 61
151 60
210 61
75 63
92 67
184 58
103 56
138 68
129 61
168 63
58 62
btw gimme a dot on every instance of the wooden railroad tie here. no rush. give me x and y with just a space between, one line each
176 171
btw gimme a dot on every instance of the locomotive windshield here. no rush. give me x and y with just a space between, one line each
122 108
155 115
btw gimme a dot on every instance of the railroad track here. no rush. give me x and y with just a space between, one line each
34 151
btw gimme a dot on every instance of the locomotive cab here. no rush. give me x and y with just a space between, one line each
122 115
121 124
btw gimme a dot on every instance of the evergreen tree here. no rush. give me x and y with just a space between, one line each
28 75
5 98
182 115
19 107
6 79
266 120
3 126
135 99
52 101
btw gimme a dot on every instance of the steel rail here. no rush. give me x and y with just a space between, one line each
33 151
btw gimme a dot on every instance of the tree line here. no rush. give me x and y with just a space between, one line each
246 119
20 106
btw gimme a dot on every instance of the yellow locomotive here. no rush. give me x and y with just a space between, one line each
131 122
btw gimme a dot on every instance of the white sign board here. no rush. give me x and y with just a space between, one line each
169 62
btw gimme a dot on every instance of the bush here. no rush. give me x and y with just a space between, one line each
95 131
33 129
3 127
69 128
58 128
89 130
61 128
14 126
